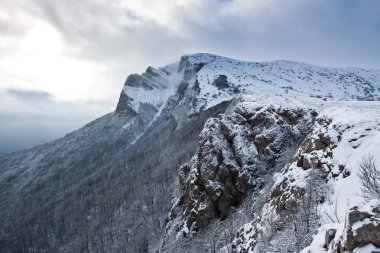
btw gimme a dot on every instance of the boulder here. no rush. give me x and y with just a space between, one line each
363 226
329 236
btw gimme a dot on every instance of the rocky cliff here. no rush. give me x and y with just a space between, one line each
208 154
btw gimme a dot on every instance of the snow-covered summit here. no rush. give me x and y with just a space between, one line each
152 88
222 78
216 79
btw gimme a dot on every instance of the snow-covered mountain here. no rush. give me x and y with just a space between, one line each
209 154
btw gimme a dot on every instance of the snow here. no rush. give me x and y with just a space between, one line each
359 130
355 131
281 78
361 223
368 207
165 85
332 92
127 125
318 244
347 190
367 248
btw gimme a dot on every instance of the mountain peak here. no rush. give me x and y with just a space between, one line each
217 79
264 146
152 88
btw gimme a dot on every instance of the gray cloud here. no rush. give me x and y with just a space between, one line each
33 118
126 36
325 32
29 96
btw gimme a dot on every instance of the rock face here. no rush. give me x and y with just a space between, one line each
148 91
221 82
359 232
313 153
124 106
362 226
329 236
236 152
304 196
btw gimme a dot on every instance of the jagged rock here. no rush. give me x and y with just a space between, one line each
284 194
188 67
329 236
124 105
363 227
182 88
307 157
150 71
221 82
138 81
230 157
355 215
260 119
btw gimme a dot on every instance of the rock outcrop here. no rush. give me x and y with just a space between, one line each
360 232
236 152
362 226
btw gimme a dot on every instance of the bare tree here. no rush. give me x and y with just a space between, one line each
332 213
305 217
369 174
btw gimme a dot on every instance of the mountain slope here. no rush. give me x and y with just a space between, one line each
319 185
109 186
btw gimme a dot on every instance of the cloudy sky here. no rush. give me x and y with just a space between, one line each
63 63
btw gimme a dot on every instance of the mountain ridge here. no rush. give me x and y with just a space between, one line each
109 186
